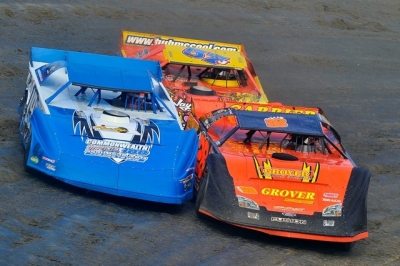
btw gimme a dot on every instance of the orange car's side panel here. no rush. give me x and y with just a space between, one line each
204 149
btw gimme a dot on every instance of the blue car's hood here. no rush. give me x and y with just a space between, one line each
147 143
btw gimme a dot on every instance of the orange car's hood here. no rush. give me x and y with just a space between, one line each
305 186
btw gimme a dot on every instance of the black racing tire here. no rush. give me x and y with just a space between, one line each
200 90
201 193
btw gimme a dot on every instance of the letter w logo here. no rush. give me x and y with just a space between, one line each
266 174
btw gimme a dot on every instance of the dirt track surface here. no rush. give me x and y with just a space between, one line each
343 57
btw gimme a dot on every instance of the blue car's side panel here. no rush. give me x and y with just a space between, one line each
166 176
155 176
42 144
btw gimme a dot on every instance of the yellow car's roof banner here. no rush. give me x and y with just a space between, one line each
147 39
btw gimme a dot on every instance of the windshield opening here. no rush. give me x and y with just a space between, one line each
229 77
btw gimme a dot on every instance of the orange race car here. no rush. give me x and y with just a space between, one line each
281 170
213 71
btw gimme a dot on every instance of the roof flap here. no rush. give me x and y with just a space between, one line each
279 122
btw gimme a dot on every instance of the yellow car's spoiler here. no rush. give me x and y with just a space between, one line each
182 50
207 57
148 39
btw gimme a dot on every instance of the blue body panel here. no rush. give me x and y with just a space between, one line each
147 156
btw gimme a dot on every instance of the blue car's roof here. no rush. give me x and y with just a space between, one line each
280 122
100 71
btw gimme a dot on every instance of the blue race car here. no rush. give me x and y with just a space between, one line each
105 123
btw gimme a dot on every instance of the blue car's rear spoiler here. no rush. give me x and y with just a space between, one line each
101 72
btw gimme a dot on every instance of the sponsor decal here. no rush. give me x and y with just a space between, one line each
139 40
48 159
209 57
267 171
288 220
34 159
247 203
299 201
117 150
328 223
253 215
147 41
246 190
275 122
182 105
330 195
255 107
50 166
331 200
106 128
332 211
295 196
289 214
46 70
244 97
136 149
289 209
187 182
